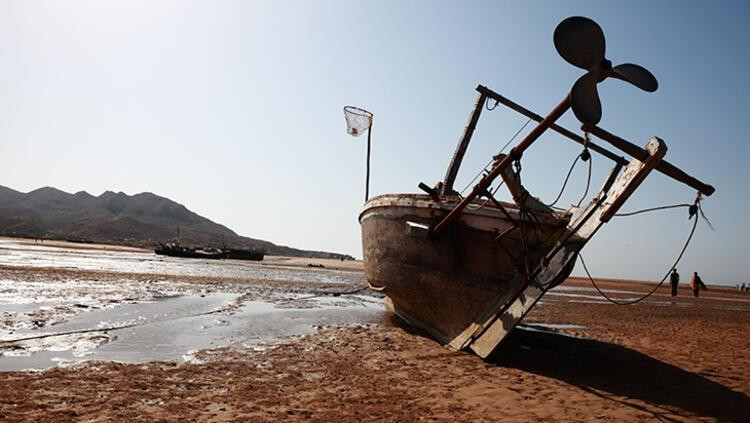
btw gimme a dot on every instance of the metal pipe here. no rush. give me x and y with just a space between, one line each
515 154
641 154
367 177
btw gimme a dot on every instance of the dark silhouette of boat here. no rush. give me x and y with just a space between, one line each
173 249
240 254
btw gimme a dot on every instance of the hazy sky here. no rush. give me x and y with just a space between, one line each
234 110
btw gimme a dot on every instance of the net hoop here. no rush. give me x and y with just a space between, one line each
357 120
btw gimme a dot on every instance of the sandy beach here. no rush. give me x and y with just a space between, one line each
577 357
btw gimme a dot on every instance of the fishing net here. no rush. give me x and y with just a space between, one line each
357 120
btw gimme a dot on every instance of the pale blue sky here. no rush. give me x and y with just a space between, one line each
234 109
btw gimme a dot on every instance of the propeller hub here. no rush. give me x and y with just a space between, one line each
605 64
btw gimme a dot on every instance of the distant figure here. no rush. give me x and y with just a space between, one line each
697 284
674 279
742 288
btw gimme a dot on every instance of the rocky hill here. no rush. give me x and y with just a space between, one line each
141 220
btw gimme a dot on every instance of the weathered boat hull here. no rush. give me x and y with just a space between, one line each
472 284
237 254
448 284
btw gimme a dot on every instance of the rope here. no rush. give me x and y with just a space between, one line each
633 213
487 200
588 178
484 169
565 183
514 136
682 252
700 209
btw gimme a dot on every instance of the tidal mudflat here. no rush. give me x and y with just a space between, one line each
139 337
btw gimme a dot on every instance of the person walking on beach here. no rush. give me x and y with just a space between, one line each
674 279
697 284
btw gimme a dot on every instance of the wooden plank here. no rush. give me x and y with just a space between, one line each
627 147
664 167
463 144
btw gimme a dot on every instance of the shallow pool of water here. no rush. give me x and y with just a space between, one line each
171 328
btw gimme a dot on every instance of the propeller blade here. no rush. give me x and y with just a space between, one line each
580 41
636 75
584 99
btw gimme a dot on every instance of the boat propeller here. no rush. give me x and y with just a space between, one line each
580 41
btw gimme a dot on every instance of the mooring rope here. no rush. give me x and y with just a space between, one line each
679 257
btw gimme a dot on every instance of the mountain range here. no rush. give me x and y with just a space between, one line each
142 220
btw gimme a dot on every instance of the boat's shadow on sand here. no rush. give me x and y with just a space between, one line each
621 374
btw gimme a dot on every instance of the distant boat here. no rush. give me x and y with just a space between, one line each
175 250
238 254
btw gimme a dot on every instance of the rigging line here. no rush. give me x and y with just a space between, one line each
486 200
588 180
484 169
633 213
700 209
565 183
682 252
487 105
514 136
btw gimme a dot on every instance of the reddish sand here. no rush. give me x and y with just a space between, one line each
633 363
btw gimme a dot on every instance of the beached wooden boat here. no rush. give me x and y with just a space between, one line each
240 254
175 250
468 269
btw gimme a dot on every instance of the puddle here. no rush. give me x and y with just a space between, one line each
172 328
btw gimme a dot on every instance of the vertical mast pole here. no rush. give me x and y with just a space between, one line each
463 143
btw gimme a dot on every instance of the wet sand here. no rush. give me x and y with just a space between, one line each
686 361
74 245
578 358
